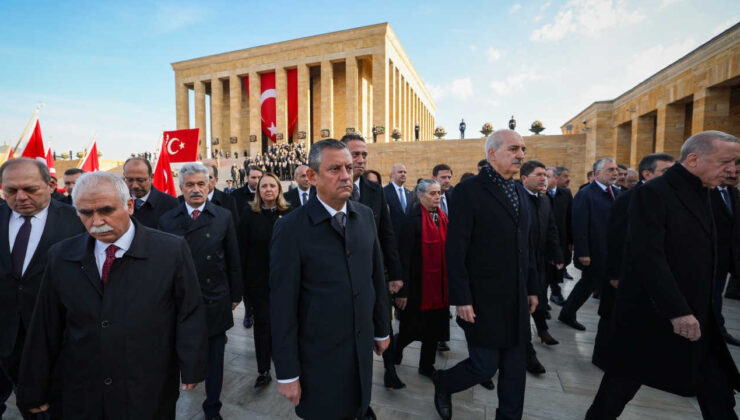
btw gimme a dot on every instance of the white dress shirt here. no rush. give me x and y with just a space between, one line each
146 197
123 243
358 185
602 186
210 195
192 209
38 221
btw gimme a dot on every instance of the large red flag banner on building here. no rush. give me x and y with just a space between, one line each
35 147
163 180
90 163
292 76
181 145
268 102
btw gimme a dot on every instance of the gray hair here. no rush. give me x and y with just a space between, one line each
558 170
295 173
396 165
423 186
314 156
93 179
192 168
631 171
496 139
703 143
599 164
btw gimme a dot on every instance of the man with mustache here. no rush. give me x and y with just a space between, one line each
119 316
329 305
211 235
149 203
30 223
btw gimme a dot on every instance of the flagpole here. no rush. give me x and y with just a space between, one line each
34 118
158 153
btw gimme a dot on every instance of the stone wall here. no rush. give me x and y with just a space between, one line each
463 155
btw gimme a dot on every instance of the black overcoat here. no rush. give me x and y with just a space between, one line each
489 262
327 302
371 195
242 196
433 324
120 353
669 268
155 206
562 206
725 223
18 295
591 208
215 251
255 233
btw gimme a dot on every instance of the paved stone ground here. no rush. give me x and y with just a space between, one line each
564 392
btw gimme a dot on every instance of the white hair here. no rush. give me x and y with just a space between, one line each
191 168
496 139
94 179
703 143
599 164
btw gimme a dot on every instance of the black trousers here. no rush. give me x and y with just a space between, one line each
215 376
9 375
554 278
480 366
580 293
733 287
262 335
719 287
428 353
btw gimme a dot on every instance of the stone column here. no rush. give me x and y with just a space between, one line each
380 94
217 108
182 104
394 97
327 97
642 139
351 89
711 110
669 129
200 117
255 114
235 108
303 124
281 104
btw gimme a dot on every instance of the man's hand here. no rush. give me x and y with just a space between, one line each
614 283
381 345
585 261
394 286
401 303
533 302
39 409
559 266
466 312
291 391
188 387
234 305
687 326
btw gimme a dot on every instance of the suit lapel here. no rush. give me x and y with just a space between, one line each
689 200
82 251
4 240
45 241
497 194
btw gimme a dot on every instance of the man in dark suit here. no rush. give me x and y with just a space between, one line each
149 203
211 236
589 179
30 223
726 209
666 334
442 173
590 212
651 166
70 177
561 200
119 315
492 283
219 197
327 316
399 199
245 194
298 197
371 195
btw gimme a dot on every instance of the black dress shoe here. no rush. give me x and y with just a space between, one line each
428 372
216 417
566 275
370 414
534 366
262 380
248 322
488 385
392 381
547 338
729 339
548 307
547 315
442 401
442 346
557 299
572 323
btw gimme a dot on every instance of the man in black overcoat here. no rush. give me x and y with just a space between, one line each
665 333
149 203
299 196
590 212
493 283
561 200
120 317
651 166
211 235
394 193
245 194
329 302
32 222
219 197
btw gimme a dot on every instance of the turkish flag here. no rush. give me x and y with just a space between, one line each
292 76
35 146
163 180
267 105
90 162
50 163
181 145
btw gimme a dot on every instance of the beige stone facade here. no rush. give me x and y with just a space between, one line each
700 91
352 80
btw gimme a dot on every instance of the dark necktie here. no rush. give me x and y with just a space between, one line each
443 204
355 193
552 193
110 256
726 198
610 191
304 198
339 221
402 198
18 256
138 203
195 214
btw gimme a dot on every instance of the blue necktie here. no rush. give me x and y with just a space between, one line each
726 198
402 198
138 203
552 193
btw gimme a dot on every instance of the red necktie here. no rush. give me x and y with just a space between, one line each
611 193
110 256
195 214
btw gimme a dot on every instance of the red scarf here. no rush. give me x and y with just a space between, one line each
433 264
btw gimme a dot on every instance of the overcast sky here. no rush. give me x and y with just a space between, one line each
103 68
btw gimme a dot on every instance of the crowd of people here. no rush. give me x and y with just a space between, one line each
117 295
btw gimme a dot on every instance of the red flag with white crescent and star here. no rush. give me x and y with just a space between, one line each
181 145
163 179
267 105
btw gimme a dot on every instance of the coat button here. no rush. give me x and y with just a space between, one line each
208 235
348 254
20 287
356 294
208 258
105 324
108 381
208 281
